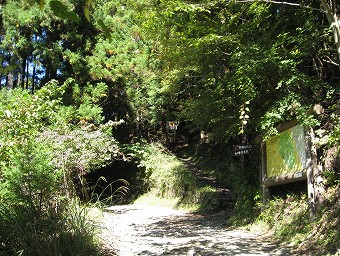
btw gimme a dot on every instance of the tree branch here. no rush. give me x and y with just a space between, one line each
325 8
279 2
334 23
330 61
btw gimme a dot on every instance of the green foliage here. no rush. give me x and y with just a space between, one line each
211 61
35 216
41 155
289 218
334 136
165 175
59 9
81 104
24 114
30 180
291 222
326 231
170 180
244 210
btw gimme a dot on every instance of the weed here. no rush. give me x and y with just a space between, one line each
170 181
291 222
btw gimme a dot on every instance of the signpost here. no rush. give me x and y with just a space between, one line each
241 150
172 126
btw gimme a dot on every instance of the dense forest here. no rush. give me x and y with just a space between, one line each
87 83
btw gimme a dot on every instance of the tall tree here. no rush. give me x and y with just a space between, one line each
43 46
331 9
218 55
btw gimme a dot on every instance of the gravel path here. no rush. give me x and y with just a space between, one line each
147 230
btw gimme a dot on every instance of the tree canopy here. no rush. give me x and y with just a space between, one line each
197 62
72 70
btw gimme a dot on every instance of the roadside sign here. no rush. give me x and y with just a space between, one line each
242 147
172 125
241 150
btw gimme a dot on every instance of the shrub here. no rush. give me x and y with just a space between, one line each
38 160
165 175
291 222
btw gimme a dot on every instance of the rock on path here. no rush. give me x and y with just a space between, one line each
148 230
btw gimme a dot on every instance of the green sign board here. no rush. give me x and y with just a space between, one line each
286 152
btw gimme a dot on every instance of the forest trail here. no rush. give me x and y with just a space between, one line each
222 198
130 230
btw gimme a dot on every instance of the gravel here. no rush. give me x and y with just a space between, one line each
130 230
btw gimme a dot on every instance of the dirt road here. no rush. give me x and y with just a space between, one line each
147 230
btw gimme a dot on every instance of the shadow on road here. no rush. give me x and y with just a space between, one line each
148 232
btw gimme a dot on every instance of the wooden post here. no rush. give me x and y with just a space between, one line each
310 190
263 175
165 132
242 173
175 136
314 176
332 18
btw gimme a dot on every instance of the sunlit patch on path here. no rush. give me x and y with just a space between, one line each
148 230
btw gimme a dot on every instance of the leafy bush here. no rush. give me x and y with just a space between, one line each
35 216
244 210
165 175
39 161
290 220
324 234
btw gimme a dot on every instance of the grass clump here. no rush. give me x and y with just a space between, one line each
36 218
165 175
57 234
170 182
291 222
288 218
42 156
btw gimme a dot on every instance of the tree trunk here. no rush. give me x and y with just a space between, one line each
27 74
23 73
165 132
33 74
314 176
10 80
333 21
1 75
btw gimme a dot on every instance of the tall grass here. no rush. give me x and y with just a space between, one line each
36 218
57 234
165 175
291 222
168 180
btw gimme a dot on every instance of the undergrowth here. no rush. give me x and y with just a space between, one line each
42 154
218 160
291 222
169 181
67 233
288 218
